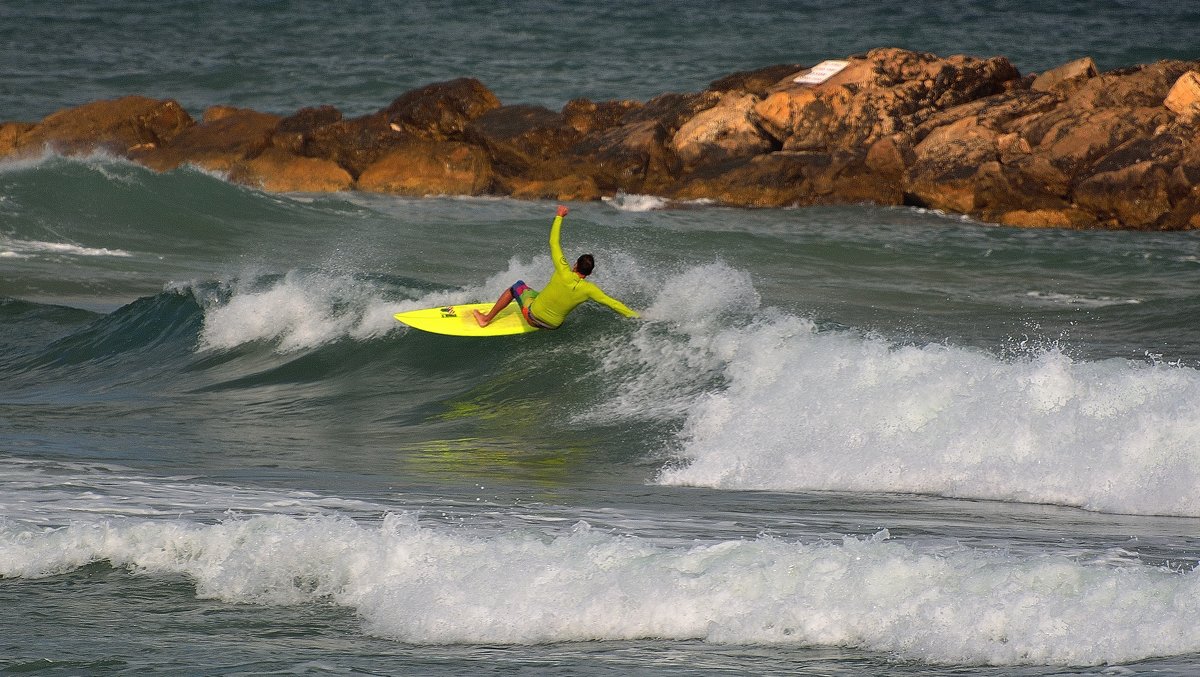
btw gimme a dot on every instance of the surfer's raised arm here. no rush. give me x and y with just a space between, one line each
567 289
556 252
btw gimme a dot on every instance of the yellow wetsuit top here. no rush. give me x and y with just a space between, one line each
567 289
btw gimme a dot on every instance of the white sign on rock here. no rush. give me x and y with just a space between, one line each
821 72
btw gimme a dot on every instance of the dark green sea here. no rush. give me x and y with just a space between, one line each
841 441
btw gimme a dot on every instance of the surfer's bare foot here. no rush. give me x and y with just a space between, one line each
480 319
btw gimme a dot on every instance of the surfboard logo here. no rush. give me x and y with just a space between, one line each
448 311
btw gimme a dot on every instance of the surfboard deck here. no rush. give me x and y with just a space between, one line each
458 320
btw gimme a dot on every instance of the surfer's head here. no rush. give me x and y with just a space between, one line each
585 264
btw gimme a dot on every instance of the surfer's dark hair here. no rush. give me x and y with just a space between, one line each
585 264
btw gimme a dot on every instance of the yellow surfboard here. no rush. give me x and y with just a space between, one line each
460 321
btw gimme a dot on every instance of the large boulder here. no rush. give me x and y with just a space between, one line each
590 117
115 126
279 171
757 82
1079 69
1184 97
353 144
636 156
788 178
225 136
885 92
723 132
10 134
441 110
523 140
773 180
422 167
1132 197
297 129
435 112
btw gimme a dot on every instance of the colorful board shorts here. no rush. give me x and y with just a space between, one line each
524 295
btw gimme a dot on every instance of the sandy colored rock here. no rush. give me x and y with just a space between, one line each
441 110
523 140
297 129
278 171
1080 69
633 158
567 188
10 133
758 82
886 92
113 125
1136 196
1184 97
1046 218
422 167
590 117
725 131
226 137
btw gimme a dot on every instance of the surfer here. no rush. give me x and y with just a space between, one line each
568 288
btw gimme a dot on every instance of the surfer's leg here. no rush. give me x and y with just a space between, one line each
502 302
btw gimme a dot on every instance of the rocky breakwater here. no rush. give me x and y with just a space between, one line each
1070 147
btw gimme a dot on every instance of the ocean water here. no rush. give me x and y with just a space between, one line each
842 441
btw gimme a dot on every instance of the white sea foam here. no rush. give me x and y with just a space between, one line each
24 249
661 371
636 203
826 410
1056 299
303 310
419 584
55 493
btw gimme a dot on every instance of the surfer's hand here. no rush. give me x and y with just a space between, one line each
562 211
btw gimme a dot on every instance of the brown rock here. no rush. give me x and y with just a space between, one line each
589 117
889 157
422 167
633 158
672 110
1046 218
278 171
758 82
1075 142
1137 87
1134 197
227 136
1080 69
10 133
294 131
354 144
114 125
944 173
566 188
886 92
523 139
789 178
441 110
773 180
636 156
720 133
1184 97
